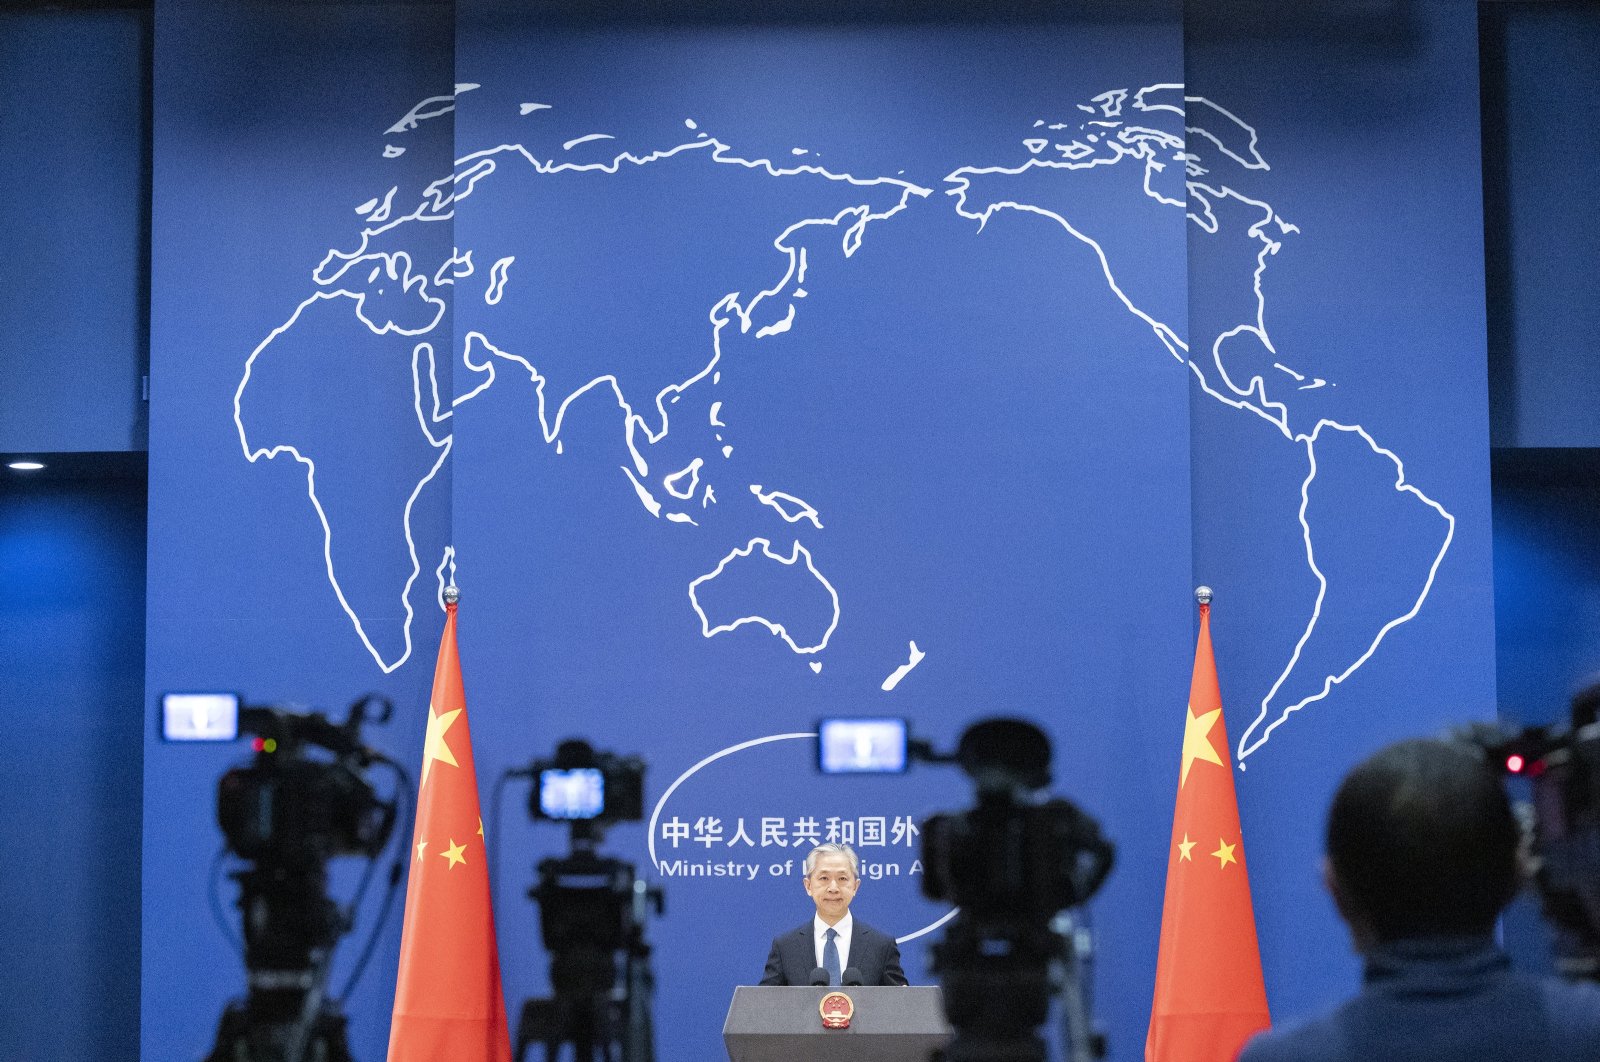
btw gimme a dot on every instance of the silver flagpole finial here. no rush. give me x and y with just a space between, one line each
451 594
1202 594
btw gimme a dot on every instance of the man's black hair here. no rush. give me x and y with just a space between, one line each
1423 841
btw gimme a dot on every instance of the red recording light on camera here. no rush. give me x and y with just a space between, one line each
1515 763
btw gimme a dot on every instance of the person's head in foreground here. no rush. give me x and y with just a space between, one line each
1421 842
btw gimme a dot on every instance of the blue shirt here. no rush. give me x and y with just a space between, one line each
1444 999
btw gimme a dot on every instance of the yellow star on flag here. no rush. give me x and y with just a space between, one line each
420 846
454 853
1224 853
480 825
433 746
1196 745
1185 845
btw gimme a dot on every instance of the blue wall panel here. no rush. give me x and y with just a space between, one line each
269 134
74 172
1341 481
72 563
1547 579
1540 134
970 410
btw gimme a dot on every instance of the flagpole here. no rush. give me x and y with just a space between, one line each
449 999
1210 996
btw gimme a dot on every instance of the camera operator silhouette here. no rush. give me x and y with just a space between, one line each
1422 855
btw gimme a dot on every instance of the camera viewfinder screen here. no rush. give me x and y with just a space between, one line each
861 746
200 716
578 793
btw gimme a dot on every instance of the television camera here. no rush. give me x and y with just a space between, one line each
303 799
593 910
1015 865
1562 766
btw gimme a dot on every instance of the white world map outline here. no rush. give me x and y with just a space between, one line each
708 629
1275 413
1141 143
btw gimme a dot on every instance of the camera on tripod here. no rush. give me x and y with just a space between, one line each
1018 854
303 799
592 913
1562 765
288 808
1014 865
579 784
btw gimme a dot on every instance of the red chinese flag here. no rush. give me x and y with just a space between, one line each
448 1004
1209 995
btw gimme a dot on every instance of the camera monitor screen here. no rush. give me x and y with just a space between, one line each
576 793
861 746
200 716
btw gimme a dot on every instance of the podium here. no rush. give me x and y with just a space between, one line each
785 1025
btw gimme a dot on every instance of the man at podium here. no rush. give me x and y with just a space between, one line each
833 940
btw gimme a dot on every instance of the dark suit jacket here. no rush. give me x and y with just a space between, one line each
794 956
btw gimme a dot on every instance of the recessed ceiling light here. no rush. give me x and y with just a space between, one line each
25 466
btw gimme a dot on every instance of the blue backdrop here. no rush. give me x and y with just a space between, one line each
742 377
71 603
1370 128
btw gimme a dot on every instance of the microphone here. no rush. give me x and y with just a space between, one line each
852 977
819 976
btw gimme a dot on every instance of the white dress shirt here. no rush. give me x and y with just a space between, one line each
819 937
